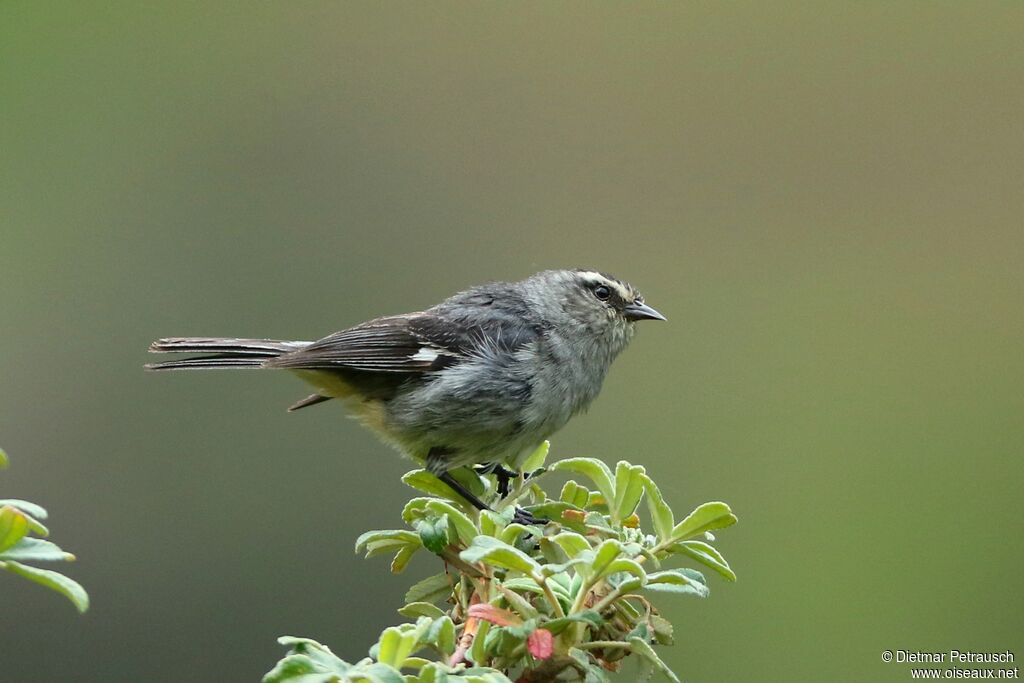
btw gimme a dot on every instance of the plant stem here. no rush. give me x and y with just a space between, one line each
550 595
603 645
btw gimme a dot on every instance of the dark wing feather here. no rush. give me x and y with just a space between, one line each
394 344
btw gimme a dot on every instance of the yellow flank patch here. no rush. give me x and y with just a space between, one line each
327 383
369 412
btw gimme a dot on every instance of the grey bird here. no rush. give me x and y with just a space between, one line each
482 378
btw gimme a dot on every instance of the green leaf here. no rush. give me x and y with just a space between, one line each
706 517
464 527
421 609
574 494
69 588
592 468
572 543
299 668
493 552
491 523
32 509
518 603
398 642
3 459
629 488
536 459
594 672
706 555
377 673
663 631
604 555
513 531
401 559
424 481
678 581
641 648
589 617
430 589
661 513
35 550
433 533
321 654
13 526
442 634
397 536
478 650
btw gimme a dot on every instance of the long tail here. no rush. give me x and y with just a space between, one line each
225 352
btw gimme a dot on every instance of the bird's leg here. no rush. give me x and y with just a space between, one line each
437 466
447 478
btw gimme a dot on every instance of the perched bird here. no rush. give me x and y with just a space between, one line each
481 378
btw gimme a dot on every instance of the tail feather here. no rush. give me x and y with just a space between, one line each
227 352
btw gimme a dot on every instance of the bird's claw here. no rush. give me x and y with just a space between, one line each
527 518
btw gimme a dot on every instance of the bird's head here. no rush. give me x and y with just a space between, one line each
599 303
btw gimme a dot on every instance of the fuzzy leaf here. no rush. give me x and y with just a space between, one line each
605 554
513 531
572 543
424 481
28 508
706 555
396 643
35 550
377 673
687 582
430 589
401 559
661 513
421 609
589 617
69 588
592 468
574 494
663 631
629 488
398 537
641 648
433 533
493 552
3 459
491 523
536 459
13 526
518 603
442 634
299 668
706 517
478 650
465 529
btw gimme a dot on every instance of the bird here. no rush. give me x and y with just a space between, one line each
481 379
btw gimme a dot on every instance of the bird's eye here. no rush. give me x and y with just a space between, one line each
602 292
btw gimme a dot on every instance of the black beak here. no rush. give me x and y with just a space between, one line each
641 311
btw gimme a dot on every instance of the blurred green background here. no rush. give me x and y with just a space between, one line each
825 199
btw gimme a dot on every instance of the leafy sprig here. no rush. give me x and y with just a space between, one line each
22 535
565 601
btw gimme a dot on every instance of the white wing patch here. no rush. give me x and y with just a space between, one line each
426 354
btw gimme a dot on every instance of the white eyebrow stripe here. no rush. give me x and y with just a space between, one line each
597 277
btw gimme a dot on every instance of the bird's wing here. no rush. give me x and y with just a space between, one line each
414 343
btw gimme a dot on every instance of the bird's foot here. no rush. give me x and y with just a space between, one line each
502 475
527 518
